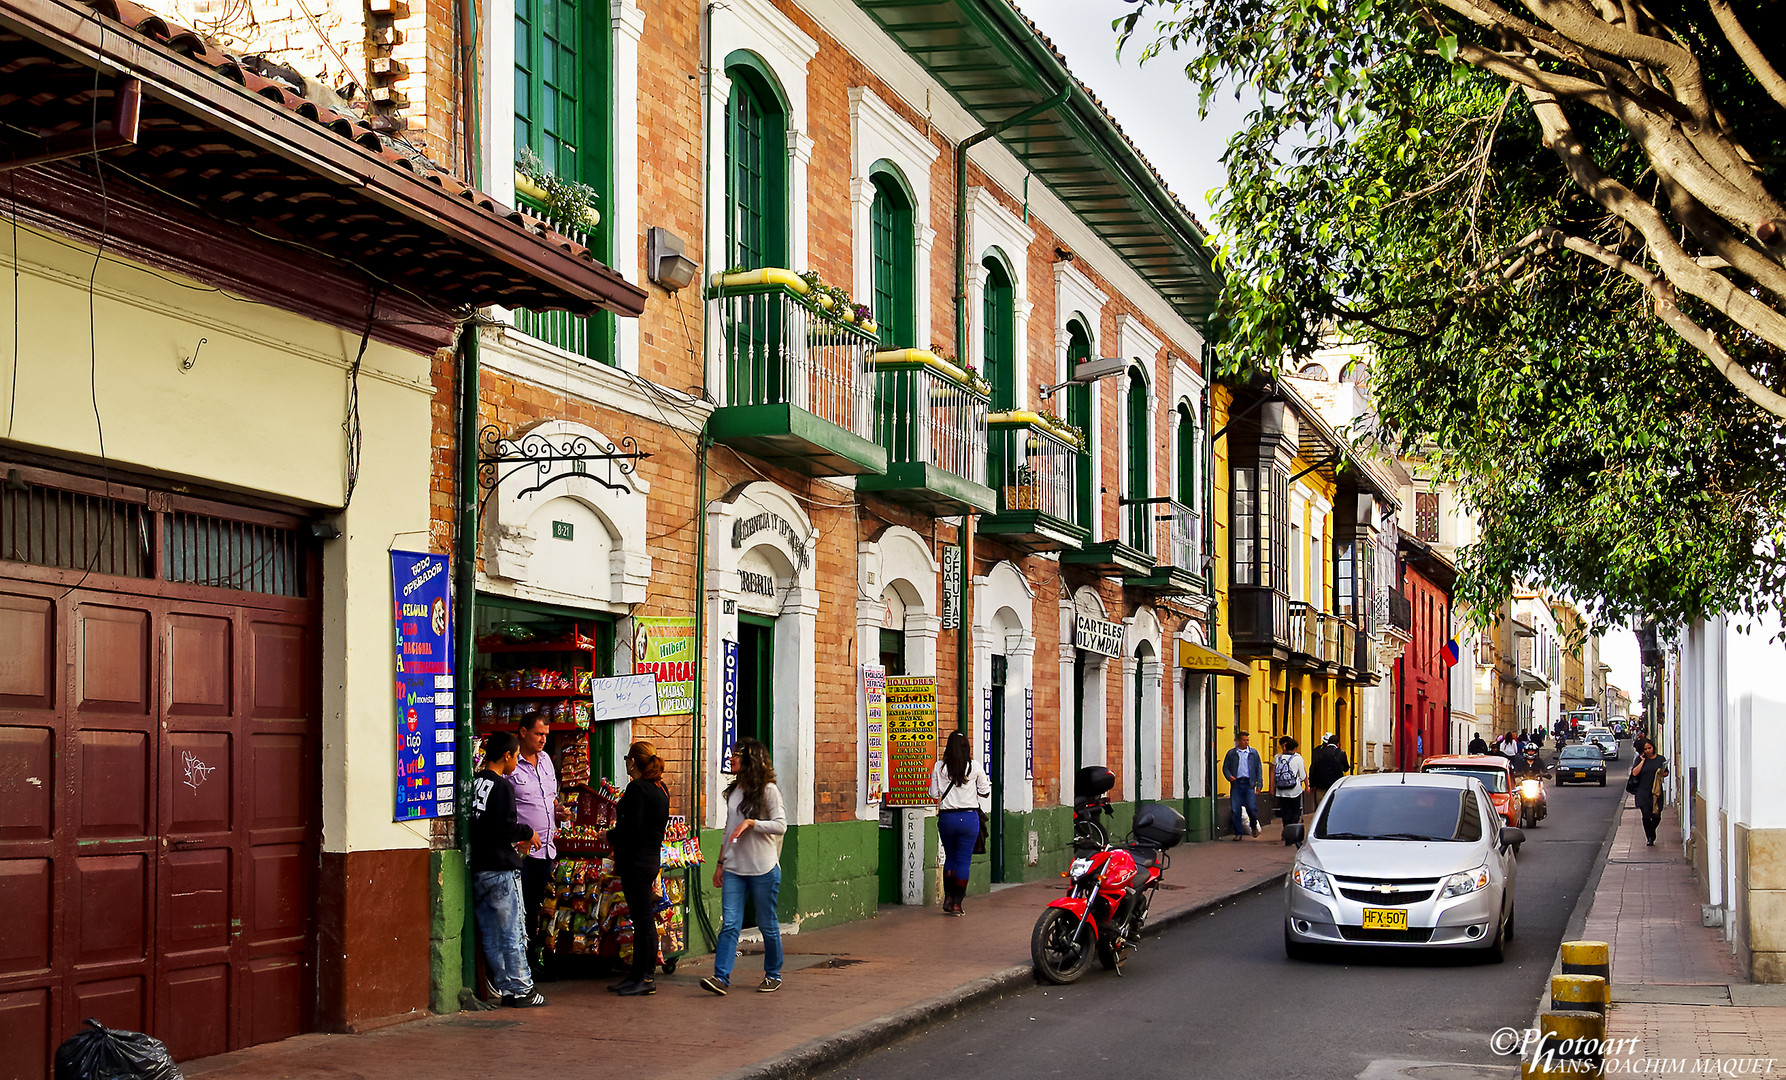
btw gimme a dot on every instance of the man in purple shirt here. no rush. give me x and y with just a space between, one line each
536 806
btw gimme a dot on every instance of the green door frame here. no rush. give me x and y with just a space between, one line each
1136 766
1140 455
1081 662
995 843
756 676
1079 415
892 865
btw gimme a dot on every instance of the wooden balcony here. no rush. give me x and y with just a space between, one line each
1260 618
1035 472
1305 636
799 384
932 421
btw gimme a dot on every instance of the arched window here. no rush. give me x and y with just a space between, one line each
998 317
1187 456
1139 515
1079 415
756 168
893 259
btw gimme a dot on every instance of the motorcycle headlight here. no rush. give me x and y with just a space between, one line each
1311 879
1467 882
1078 868
1529 788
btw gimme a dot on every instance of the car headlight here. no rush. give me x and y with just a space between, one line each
1311 879
1467 882
1529 788
1078 868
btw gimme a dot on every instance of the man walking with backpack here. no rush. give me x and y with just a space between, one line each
1287 775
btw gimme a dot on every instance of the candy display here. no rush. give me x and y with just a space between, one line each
589 915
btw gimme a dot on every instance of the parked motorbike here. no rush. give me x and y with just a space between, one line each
1109 886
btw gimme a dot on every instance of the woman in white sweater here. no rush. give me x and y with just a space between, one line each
749 863
961 791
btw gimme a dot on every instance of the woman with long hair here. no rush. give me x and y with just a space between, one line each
638 840
961 790
749 864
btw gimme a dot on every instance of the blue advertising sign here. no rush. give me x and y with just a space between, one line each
986 733
421 590
728 703
1029 734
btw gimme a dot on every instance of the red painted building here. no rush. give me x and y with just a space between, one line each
1421 674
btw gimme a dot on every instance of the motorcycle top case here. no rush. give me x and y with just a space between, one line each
1092 782
1159 826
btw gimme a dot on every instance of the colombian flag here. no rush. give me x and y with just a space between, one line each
1451 653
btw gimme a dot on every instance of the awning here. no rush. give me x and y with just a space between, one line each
246 151
1202 658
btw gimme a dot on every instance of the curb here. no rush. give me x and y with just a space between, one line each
1584 904
833 1051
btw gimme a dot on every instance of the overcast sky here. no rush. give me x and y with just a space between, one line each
1154 103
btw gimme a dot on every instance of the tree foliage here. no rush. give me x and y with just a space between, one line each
1556 227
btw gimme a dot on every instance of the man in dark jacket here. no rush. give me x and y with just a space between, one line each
1478 745
498 839
1245 772
1326 765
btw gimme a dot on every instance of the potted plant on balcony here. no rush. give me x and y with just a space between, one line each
569 201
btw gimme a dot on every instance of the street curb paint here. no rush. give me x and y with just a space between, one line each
834 1051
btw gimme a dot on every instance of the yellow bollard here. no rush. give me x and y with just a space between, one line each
1588 958
1588 993
1572 1042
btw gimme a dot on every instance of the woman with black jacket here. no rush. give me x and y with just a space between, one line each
637 839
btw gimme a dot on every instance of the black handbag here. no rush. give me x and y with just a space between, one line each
1633 782
985 830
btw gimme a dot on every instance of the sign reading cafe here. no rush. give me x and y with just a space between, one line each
1096 635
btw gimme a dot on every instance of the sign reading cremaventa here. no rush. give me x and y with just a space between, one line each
1097 635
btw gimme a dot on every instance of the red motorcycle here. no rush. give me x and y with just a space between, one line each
1109 887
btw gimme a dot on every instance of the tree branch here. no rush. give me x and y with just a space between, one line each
1748 51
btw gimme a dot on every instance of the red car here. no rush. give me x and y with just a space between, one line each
1495 772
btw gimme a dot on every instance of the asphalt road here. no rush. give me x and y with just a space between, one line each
1215 997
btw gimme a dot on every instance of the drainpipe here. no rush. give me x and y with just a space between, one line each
465 591
1211 713
963 644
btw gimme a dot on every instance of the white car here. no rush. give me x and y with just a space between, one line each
1406 860
1605 740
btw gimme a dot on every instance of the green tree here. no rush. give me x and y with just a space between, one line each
1557 228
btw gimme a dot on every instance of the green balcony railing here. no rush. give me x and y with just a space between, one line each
1037 469
581 335
780 351
932 413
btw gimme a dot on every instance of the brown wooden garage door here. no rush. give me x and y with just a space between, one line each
159 804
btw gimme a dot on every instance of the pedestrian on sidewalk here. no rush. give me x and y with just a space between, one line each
1287 776
1244 771
961 790
1646 785
1326 765
749 865
498 839
638 842
537 806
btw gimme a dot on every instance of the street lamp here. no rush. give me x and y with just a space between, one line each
1088 372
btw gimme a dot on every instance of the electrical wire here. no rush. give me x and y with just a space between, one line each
351 425
12 399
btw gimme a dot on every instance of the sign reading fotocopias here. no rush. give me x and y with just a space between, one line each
911 739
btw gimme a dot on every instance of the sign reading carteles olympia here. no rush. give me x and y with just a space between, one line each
426 777
911 739
666 648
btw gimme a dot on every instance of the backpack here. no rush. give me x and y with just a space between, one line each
1284 772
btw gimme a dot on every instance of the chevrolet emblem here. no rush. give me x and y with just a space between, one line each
1386 889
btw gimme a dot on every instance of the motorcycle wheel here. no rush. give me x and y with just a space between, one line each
1057 957
1526 818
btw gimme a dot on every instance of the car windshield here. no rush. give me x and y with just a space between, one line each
1493 779
1400 812
1580 753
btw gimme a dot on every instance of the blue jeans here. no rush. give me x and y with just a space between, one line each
958 830
1241 794
503 928
764 891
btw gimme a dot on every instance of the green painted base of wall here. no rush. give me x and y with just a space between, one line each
448 885
1199 819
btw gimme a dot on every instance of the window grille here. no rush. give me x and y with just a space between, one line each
74 530
203 550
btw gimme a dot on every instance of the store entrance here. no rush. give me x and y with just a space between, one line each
893 659
756 678
995 843
1080 662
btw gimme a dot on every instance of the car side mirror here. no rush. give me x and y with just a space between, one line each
1512 838
1295 834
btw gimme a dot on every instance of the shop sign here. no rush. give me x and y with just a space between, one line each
986 732
951 586
1029 734
745 528
564 530
666 648
1096 635
728 703
911 739
874 722
623 697
426 733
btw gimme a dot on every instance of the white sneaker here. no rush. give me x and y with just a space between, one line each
1255 828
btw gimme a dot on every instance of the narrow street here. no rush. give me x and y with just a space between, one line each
1219 993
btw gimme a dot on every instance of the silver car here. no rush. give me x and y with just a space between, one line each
1403 860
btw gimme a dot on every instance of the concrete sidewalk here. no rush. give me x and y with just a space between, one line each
847 989
1676 987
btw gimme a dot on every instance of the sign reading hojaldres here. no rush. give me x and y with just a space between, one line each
425 728
666 648
911 739
951 586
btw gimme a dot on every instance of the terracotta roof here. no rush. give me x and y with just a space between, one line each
247 150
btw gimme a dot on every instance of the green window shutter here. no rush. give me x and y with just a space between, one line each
1079 415
998 316
1187 457
756 185
1140 461
892 257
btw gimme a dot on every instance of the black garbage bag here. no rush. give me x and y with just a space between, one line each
103 1053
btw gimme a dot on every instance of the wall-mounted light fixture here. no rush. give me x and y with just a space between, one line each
323 529
666 261
1088 372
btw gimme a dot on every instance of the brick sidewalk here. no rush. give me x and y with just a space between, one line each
840 981
1676 986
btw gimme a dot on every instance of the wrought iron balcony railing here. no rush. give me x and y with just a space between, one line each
932 412
782 351
1180 536
1034 469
